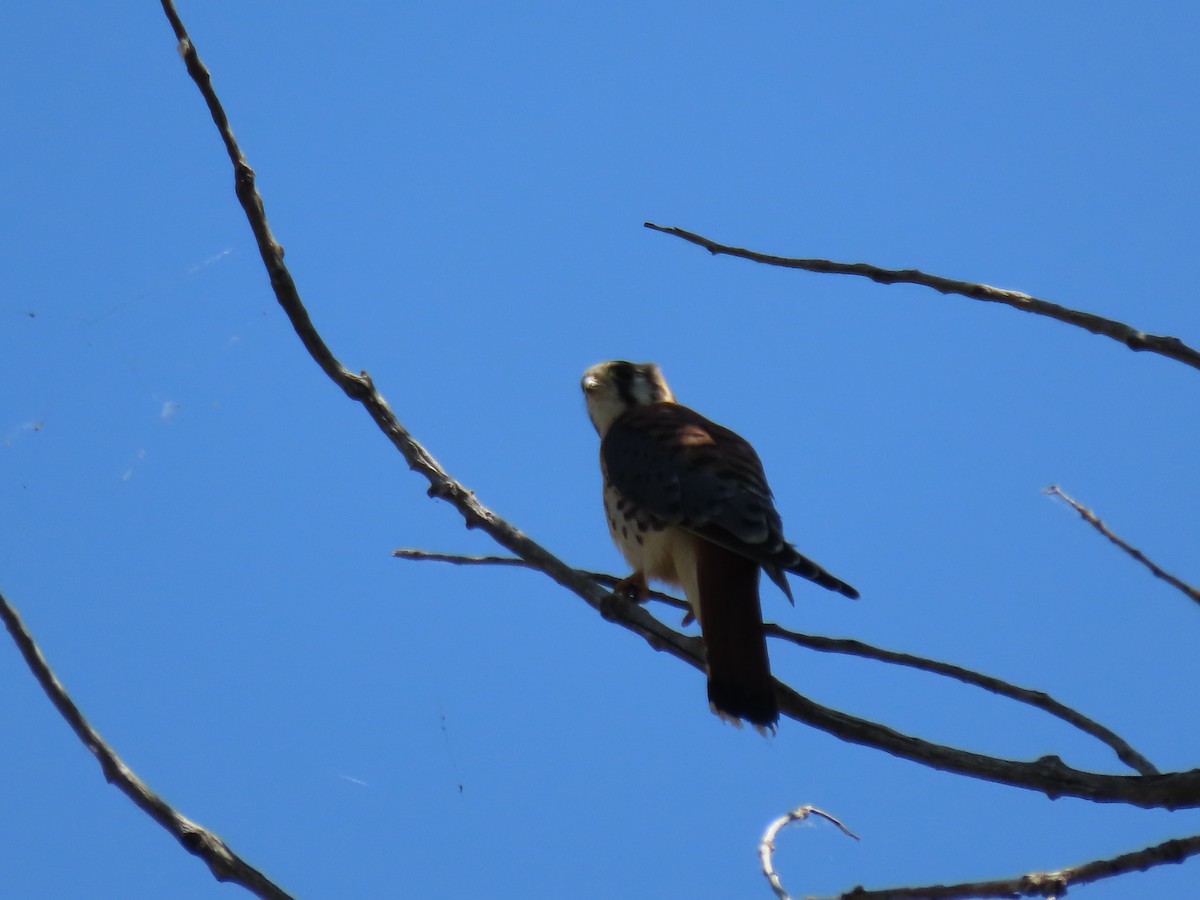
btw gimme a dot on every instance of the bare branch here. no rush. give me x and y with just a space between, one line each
1170 347
195 839
460 560
766 847
1048 775
1042 884
609 581
1095 522
1039 699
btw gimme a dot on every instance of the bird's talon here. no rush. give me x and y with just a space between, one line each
633 588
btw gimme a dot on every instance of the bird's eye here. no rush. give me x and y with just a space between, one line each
590 383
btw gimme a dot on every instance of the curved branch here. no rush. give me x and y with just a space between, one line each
195 839
1092 519
1048 775
1042 884
1163 345
1039 699
766 847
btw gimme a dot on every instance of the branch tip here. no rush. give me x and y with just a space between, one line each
1188 590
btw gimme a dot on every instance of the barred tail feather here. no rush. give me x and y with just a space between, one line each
804 567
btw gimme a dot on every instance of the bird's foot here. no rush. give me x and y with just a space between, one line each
633 587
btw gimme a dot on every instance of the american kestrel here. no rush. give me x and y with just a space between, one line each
688 503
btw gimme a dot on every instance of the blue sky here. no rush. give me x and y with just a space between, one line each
197 525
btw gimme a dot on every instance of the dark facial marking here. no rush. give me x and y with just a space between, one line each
624 375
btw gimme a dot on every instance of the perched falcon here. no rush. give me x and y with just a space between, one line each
688 503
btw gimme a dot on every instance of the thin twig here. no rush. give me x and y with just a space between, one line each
1042 884
1048 775
766 847
195 839
609 581
1163 345
1039 699
1137 554
460 560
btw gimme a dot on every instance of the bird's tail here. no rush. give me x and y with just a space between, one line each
740 685
790 560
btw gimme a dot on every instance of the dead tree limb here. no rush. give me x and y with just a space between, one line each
224 864
1163 345
1040 884
1094 520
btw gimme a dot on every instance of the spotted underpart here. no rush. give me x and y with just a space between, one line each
631 528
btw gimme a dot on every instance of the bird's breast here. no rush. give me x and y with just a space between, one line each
649 545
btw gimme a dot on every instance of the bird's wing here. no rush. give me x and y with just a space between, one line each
676 466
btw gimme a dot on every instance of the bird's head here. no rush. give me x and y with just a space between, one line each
612 387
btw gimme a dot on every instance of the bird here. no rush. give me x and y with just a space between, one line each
688 504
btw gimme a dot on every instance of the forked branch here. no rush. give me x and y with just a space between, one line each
1037 699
